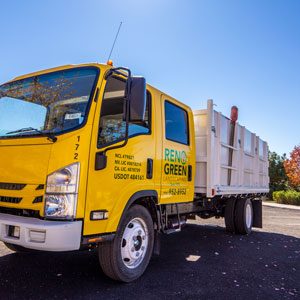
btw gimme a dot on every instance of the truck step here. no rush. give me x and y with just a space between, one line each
172 230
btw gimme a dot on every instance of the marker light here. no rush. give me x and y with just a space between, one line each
234 114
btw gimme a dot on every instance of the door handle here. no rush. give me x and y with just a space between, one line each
100 161
149 168
190 173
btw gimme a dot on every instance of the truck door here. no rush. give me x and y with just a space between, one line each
126 171
177 183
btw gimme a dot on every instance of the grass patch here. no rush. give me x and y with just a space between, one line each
287 197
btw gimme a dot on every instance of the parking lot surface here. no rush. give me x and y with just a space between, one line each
202 261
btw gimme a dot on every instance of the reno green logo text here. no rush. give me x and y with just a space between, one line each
175 162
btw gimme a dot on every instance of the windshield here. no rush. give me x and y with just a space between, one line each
50 103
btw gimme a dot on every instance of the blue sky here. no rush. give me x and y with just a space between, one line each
244 53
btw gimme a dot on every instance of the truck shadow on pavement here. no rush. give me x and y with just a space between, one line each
201 261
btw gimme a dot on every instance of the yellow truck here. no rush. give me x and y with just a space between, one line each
92 156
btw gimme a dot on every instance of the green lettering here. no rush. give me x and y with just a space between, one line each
167 153
183 157
171 169
179 170
167 169
177 156
184 170
172 155
175 169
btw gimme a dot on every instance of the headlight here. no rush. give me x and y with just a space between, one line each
60 206
64 180
61 192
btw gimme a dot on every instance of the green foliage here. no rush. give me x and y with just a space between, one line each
287 197
278 177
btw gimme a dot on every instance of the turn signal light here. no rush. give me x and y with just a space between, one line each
99 215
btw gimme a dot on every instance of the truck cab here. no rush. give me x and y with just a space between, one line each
76 152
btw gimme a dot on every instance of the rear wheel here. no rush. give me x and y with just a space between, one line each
229 215
243 216
128 255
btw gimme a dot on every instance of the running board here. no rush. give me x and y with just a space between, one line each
172 230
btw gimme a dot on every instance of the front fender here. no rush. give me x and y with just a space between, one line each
121 207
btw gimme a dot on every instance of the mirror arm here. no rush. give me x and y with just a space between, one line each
101 158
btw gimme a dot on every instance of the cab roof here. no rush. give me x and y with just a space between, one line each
92 64
60 68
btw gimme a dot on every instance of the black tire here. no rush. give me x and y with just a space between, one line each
19 249
241 224
110 253
229 215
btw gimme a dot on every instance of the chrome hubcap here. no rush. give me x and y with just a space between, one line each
248 215
134 243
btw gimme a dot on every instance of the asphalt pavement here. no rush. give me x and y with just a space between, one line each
201 262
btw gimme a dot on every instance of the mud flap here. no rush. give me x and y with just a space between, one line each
257 213
156 247
229 215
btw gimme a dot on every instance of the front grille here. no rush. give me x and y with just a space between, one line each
10 199
38 199
20 212
40 187
12 186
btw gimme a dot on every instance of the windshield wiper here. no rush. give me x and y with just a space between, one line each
49 135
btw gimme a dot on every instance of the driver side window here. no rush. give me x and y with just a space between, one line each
112 125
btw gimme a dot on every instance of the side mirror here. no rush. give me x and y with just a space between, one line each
137 99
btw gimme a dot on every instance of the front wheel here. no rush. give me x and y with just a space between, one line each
128 255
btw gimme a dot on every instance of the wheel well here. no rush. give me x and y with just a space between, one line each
150 204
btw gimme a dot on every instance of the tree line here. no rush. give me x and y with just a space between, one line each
284 174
